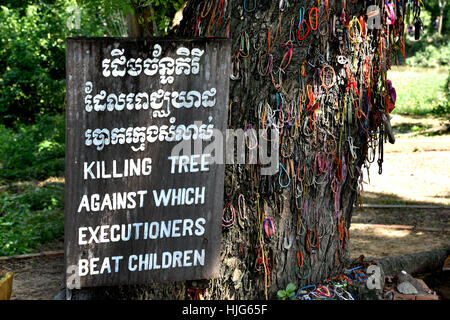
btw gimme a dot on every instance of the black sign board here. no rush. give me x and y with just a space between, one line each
136 210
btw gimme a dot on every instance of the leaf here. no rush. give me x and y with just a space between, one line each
281 294
291 287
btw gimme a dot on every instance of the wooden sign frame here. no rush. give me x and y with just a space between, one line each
134 212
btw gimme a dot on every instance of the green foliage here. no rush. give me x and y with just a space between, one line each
22 4
433 49
442 108
432 8
32 59
31 65
288 293
429 52
33 151
30 216
165 11
419 90
32 47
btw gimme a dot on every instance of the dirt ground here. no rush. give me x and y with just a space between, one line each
36 278
367 240
416 171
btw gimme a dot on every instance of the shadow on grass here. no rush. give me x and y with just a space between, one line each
425 130
383 242
439 131
409 127
31 215
386 198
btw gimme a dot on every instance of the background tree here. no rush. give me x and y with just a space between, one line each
438 8
32 57
32 48
135 18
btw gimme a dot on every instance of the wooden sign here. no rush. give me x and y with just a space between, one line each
136 211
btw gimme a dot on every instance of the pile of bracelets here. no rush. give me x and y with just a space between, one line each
332 289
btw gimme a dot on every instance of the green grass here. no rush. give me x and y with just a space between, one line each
33 152
419 90
431 51
30 216
31 213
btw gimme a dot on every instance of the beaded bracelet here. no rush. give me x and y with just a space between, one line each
230 222
242 208
279 176
249 10
298 272
327 76
246 137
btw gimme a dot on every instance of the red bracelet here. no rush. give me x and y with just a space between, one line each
300 257
300 29
228 223
288 55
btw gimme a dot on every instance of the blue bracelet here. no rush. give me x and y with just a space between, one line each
249 10
279 177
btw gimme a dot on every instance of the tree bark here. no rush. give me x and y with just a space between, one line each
442 5
138 22
326 208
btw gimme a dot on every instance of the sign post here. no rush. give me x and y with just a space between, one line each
136 209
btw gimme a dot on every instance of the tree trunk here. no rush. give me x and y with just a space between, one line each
324 204
138 23
315 209
442 5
